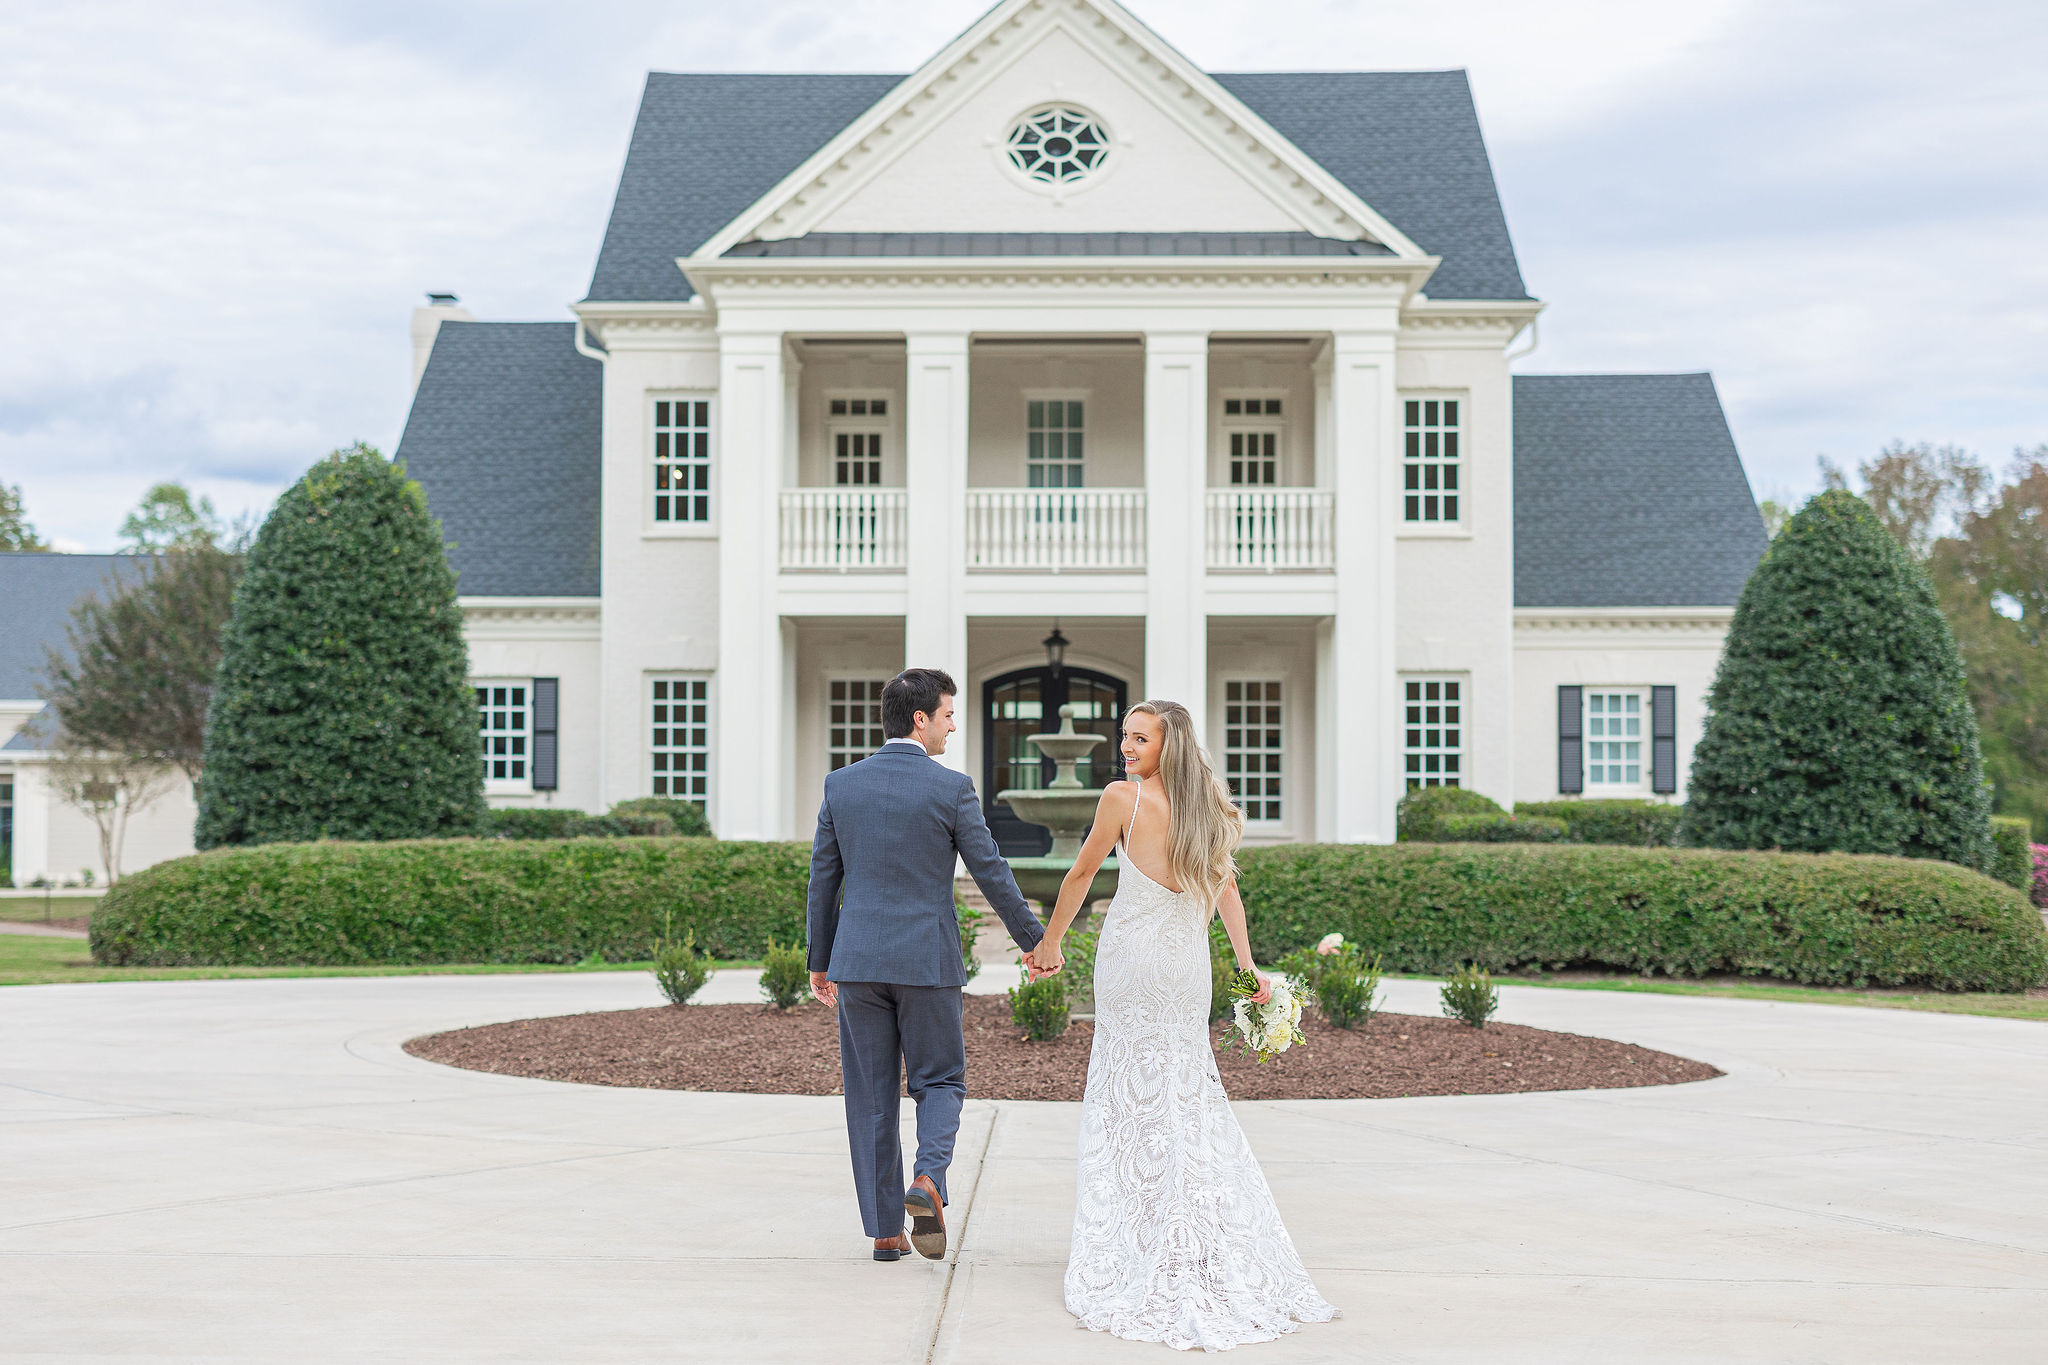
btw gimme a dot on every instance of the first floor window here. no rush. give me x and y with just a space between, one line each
682 459
6 824
854 720
1614 738
681 733
1433 732
1252 764
1429 463
502 721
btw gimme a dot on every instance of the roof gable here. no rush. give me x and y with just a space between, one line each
1183 155
504 437
1651 458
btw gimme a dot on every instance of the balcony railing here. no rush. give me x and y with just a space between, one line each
1270 529
1055 529
843 529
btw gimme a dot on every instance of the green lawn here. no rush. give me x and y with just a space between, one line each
2030 1005
30 909
26 961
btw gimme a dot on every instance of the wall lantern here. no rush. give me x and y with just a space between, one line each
1055 649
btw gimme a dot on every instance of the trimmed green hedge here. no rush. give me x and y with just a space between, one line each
2012 850
452 900
1643 824
1500 828
1423 810
1832 919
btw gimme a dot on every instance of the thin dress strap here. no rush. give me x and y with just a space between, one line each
1139 783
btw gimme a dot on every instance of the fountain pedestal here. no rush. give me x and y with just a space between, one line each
1067 808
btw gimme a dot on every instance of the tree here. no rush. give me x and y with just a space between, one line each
15 532
111 789
343 709
1775 515
1838 719
168 519
1915 490
142 662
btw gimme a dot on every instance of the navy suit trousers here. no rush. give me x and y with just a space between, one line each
886 1030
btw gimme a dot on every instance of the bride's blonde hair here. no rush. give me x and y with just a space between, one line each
1204 827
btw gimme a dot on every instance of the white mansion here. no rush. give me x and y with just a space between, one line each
1203 377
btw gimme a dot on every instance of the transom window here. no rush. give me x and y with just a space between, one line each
1433 738
1252 428
681 737
857 443
1058 146
1429 467
502 722
1053 429
1252 763
854 720
682 460
1614 739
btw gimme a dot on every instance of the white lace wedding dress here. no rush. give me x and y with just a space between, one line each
1176 1237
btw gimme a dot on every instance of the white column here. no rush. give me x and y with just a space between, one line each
749 738
1363 709
935 491
1176 484
33 800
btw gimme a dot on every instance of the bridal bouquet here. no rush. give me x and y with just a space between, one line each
1268 1030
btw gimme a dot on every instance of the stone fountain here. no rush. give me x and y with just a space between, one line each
1067 808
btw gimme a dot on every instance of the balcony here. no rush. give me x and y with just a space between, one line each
1270 530
1056 530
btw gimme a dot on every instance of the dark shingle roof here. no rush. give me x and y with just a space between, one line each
1629 493
849 244
504 436
33 737
36 596
706 146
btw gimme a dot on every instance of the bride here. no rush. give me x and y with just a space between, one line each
1176 1237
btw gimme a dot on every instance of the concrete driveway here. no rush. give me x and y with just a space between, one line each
253 1170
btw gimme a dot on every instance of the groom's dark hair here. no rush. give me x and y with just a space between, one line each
909 692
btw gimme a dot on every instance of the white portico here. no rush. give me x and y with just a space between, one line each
1060 330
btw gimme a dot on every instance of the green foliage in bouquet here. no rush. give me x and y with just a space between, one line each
1040 1007
785 975
1471 996
679 969
969 918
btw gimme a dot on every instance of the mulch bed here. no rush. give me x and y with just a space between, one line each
755 1049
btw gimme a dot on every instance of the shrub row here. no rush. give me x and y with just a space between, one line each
1643 824
1828 919
642 817
1459 815
453 900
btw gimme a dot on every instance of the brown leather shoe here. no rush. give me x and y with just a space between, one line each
892 1248
927 1213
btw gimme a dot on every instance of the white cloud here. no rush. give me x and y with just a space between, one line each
220 214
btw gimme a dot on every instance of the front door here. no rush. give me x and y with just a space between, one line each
1028 702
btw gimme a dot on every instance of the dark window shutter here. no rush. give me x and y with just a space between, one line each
546 698
1664 739
1571 749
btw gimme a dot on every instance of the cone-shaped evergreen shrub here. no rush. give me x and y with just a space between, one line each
1838 718
343 709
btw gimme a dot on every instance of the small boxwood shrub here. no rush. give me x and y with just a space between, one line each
1833 919
1040 1007
1470 996
1645 824
685 817
453 900
1500 829
1424 808
785 978
2012 850
549 822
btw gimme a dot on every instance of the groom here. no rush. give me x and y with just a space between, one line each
889 955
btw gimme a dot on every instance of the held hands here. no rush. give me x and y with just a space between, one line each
1044 960
824 989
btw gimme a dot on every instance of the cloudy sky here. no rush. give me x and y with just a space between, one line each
216 217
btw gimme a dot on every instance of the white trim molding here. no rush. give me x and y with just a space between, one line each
1633 627
530 618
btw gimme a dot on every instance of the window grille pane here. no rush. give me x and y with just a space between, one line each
1254 447
1053 431
680 737
682 461
853 720
1433 731
502 729
1614 738
1254 763
1430 460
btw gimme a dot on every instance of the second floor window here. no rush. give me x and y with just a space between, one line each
1429 463
682 460
1053 429
857 426
1251 435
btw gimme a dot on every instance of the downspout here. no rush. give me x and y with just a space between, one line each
1513 356
583 346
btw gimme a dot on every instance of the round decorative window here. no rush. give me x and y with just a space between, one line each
1059 145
